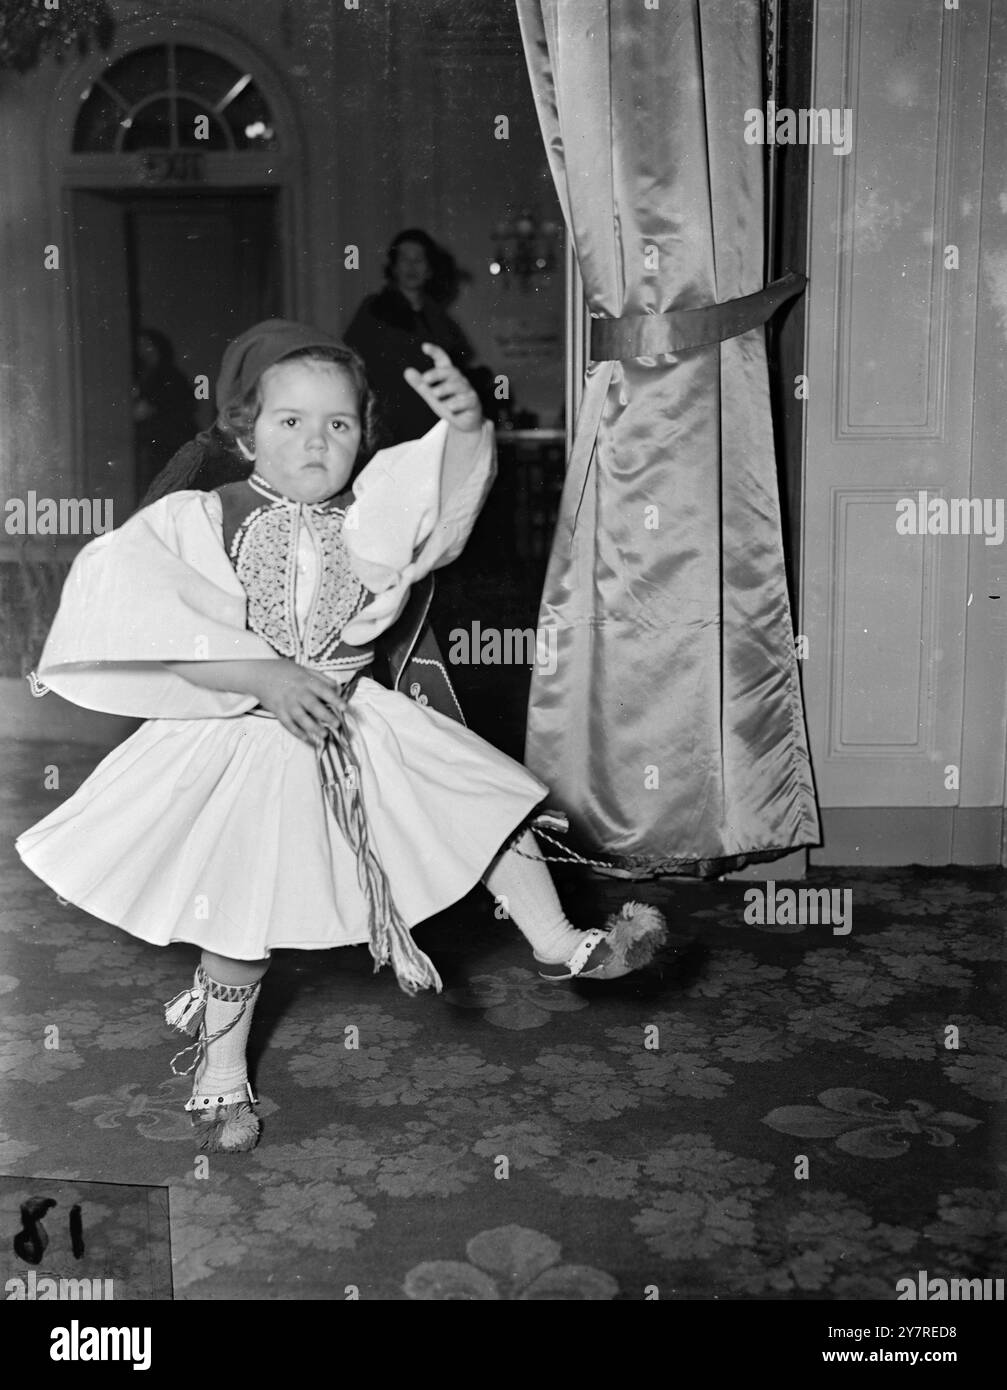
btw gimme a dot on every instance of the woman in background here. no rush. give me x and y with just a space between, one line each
389 328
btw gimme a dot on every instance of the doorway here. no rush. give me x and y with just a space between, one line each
192 270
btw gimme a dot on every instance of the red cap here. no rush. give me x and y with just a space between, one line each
261 347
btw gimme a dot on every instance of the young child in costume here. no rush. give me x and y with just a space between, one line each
276 795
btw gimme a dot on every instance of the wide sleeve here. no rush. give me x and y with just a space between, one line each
403 523
159 588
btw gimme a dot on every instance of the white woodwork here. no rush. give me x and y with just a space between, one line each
893 375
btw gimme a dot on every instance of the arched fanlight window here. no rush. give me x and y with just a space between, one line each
173 97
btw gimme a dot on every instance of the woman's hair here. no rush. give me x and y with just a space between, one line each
446 276
236 422
161 344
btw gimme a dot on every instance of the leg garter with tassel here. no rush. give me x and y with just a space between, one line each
224 1122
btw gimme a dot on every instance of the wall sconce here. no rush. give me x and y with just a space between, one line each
525 248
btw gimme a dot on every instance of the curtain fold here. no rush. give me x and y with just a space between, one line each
672 730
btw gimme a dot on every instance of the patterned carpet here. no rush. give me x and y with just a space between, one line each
512 1140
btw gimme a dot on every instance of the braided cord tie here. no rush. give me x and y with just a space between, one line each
194 1002
569 856
390 938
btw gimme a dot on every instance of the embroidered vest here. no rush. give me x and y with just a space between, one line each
263 536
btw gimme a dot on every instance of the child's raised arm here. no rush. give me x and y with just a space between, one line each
448 393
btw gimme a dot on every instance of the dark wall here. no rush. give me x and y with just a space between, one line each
790 235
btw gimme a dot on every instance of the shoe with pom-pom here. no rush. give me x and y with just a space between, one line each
630 940
225 1124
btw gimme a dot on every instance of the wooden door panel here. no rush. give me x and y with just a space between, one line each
890 373
871 654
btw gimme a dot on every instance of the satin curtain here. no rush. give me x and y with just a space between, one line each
672 729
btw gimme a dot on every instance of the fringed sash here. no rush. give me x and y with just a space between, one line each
390 938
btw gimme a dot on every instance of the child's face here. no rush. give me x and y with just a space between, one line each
308 431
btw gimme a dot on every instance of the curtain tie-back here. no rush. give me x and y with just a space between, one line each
650 335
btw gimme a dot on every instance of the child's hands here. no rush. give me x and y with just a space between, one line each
306 704
446 391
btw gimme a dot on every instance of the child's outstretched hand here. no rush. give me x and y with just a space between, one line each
446 391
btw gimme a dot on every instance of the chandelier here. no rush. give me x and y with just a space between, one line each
525 248
30 29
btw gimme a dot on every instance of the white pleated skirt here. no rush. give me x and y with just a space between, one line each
217 832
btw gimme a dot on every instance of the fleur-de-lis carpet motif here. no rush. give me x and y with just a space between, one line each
868 1125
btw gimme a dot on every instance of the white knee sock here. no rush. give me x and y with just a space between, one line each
223 1068
526 890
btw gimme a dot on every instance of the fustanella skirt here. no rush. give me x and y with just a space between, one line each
217 831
